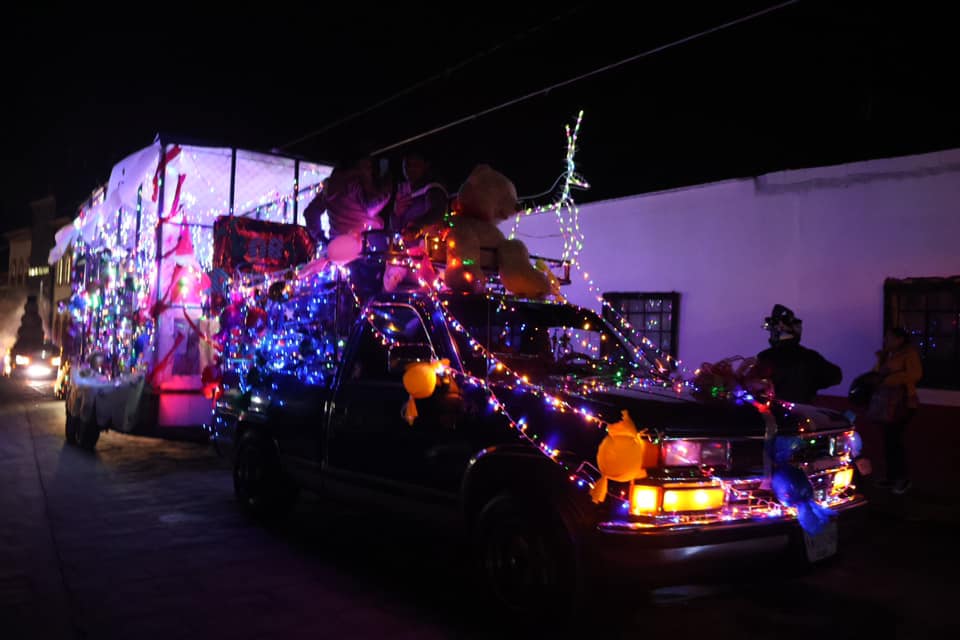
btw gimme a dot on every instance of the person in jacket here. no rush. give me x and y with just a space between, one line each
797 373
420 201
899 365
353 199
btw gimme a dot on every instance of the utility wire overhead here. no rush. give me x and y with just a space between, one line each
583 76
446 73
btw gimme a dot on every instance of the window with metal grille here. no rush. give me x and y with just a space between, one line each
929 310
653 315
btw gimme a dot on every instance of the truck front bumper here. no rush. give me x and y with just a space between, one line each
683 553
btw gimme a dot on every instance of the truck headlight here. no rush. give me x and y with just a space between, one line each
648 499
692 499
842 479
848 443
644 499
55 361
687 453
22 361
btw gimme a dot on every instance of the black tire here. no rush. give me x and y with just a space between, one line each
87 434
70 429
526 559
261 487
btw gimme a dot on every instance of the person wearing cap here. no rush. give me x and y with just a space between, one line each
797 373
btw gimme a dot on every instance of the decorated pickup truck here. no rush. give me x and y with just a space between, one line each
538 423
440 367
450 374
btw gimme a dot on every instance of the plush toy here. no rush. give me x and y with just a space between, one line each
623 456
474 241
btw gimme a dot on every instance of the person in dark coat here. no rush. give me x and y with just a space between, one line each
797 373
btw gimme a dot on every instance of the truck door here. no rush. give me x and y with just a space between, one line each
369 440
296 418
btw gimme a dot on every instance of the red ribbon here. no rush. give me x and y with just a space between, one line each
176 198
151 379
171 154
213 343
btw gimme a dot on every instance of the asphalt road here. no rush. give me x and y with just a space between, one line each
142 539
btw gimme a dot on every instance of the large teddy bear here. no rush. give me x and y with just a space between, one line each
475 243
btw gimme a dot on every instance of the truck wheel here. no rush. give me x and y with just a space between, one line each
526 558
258 481
70 430
87 434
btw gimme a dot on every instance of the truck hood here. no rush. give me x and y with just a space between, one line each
672 414
682 415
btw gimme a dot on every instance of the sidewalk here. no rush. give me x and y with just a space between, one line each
917 505
34 599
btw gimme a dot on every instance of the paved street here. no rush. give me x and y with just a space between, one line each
142 540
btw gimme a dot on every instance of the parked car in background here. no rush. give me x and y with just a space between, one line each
32 363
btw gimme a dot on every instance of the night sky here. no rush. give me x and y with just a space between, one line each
816 83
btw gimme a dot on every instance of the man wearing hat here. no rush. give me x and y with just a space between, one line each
797 373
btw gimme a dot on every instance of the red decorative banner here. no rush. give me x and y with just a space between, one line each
258 245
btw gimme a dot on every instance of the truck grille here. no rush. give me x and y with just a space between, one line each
746 457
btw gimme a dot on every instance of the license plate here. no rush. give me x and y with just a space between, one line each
824 544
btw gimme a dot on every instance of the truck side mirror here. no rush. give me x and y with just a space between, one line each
401 355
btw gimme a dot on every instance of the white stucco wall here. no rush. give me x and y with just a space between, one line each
820 241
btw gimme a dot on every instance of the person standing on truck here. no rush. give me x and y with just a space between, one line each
895 402
353 199
420 201
797 373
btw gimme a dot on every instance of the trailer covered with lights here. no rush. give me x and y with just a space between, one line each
145 269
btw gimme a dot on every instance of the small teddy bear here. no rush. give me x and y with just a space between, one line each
624 455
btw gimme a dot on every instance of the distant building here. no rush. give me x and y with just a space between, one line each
20 241
27 268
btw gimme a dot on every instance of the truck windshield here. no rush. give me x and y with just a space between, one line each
548 343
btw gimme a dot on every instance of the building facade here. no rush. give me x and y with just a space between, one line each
850 248
20 243
28 272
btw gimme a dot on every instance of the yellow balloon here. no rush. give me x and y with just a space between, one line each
420 379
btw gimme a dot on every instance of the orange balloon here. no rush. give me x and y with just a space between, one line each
420 379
